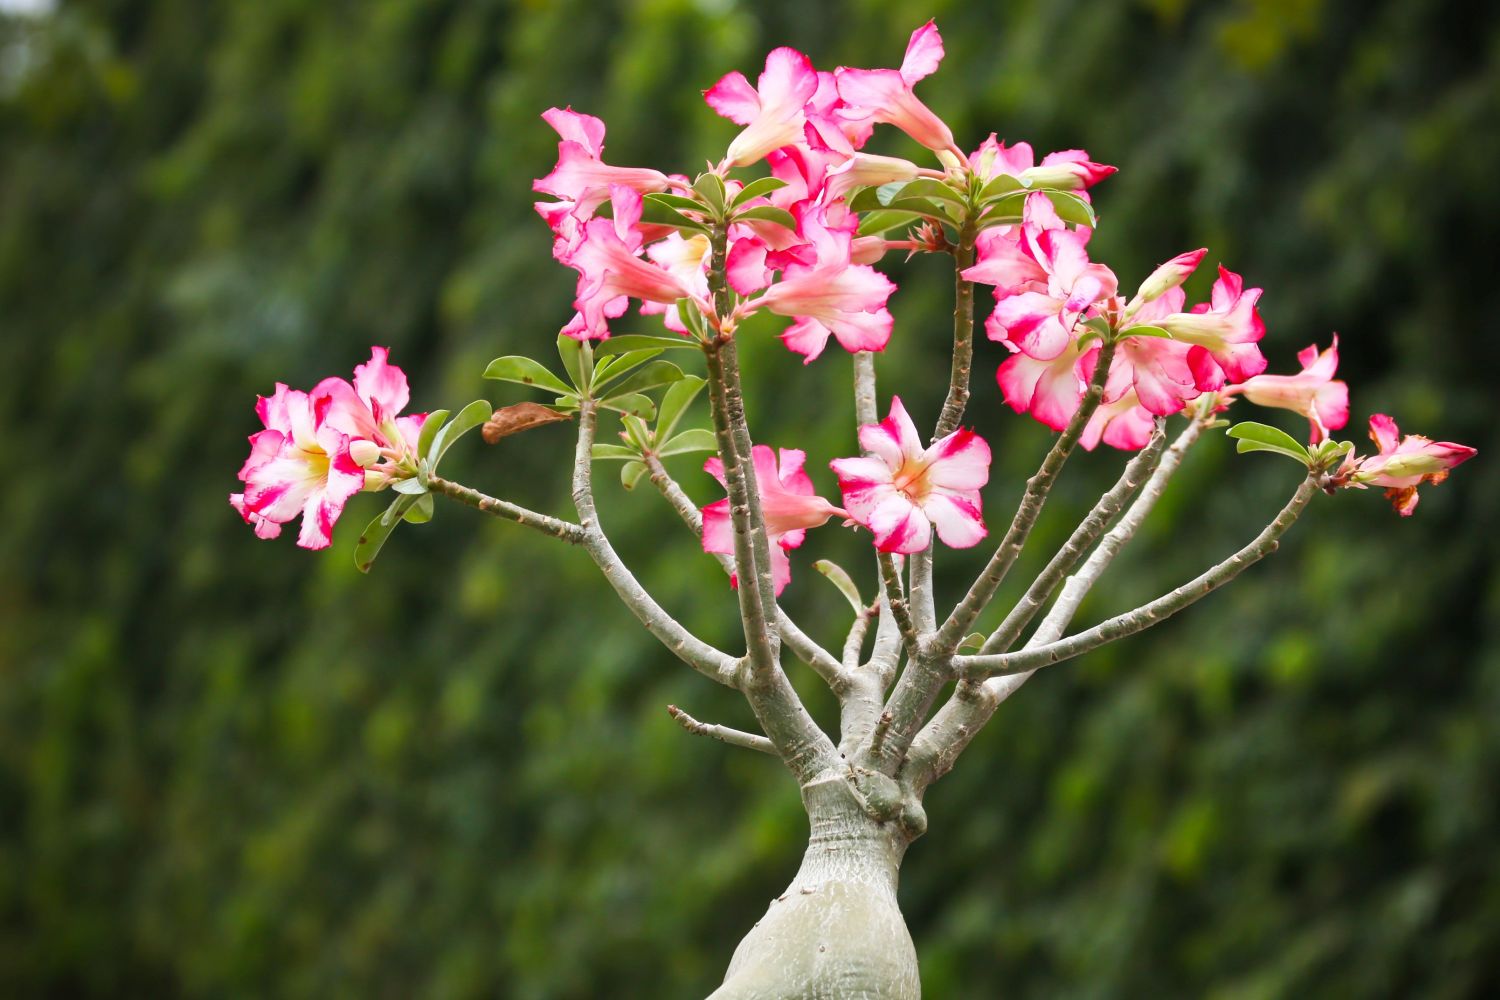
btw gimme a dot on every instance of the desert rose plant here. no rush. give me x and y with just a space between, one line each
792 221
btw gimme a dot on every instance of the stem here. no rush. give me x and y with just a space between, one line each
556 527
1144 617
939 744
1087 532
896 600
922 596
799 642
723 734
689 648
1037 488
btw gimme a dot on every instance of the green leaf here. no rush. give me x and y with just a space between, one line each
1072 208
841 580
637 431
1006 208
633 404
468 418
648 377
616 365
929 187
974 641
1254 436
880 221
1145 331
866 200
640 342
411 487
571 352
377 531
524 371
421 511
757 189
887 193
430 427
696 439
658 213
1000 186
677 201
614 453
769 213
710 188
675 401
631 473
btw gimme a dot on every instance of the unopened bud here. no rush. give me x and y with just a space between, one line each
365 453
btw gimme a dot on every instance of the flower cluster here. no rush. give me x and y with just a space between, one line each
800 242
319 448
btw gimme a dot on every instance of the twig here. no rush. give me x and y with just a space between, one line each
556 527
1159 610
723 734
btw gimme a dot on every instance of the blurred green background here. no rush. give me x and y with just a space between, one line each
231 768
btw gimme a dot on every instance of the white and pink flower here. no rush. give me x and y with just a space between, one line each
1228 327
318 449
830 295
581 179
902 491
789 505
1404 463
773 112
1066 170
886 95
1312 392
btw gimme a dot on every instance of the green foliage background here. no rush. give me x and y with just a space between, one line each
231 768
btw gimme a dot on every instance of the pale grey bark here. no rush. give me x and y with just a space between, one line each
835 933
734 737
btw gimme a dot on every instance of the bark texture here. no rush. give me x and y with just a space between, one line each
836 933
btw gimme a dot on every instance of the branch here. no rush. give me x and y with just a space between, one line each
1084 536
689 648
1037 488
799 642
920 571
1159 610
723 734
939 744
556 527
896 601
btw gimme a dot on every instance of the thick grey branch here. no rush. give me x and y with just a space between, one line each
689 648
1037 487
1084 536
723 734
1159 610
799 642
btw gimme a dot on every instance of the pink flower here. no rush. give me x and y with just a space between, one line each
1123 424
788 502
885 95
321 448
1404 463
902 491
830 295
1228 327
610 272
1312 392
296 468
1067 170
1051 391
1045 282
772 113
581 179
1166 277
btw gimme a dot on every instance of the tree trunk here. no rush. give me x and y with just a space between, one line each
836 933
